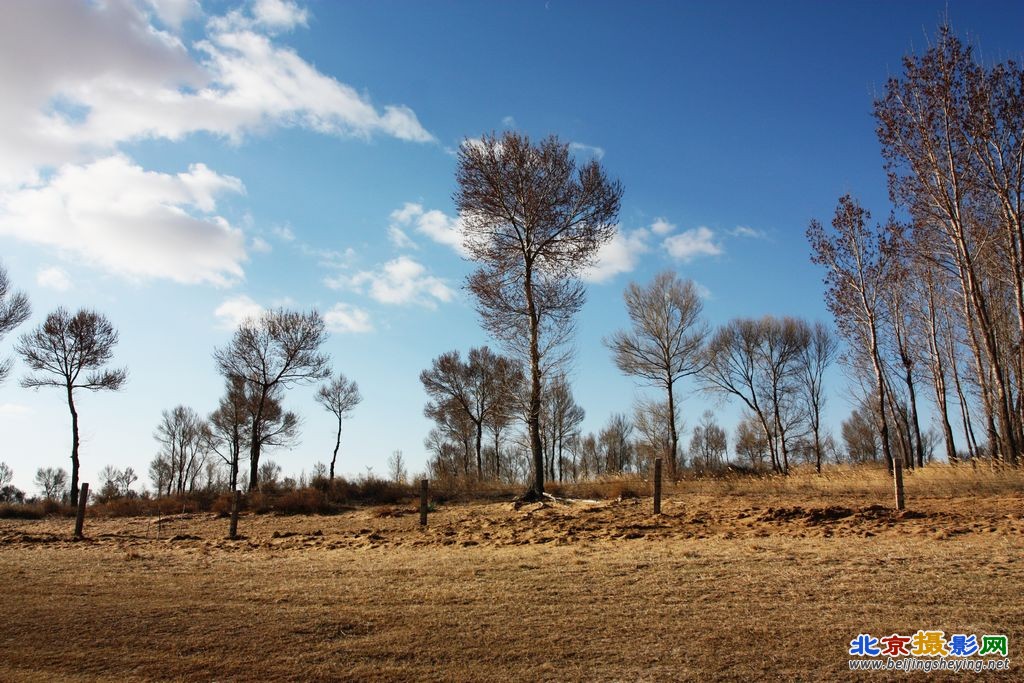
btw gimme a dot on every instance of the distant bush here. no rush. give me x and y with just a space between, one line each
21 511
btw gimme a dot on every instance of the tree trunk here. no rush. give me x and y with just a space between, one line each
673 435
479 451
915 424
883 424
334 456
74 446
254 446
533 417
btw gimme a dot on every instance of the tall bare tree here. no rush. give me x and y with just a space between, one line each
69 352
951 136
534 221
664 344
340 396
858 264
274 352
14 310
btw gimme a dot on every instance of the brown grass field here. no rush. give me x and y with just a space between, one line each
738 580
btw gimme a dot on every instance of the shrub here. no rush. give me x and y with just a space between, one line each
21 511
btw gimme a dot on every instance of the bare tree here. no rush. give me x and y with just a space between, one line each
561 417
951 137
654 428
14 310
340 396
396 468
615 444
534 221
758 361
815 359
52 482
708 444
229 427
6 474
278 350
665 342
751 442
858 264
477 387
185 438
69 352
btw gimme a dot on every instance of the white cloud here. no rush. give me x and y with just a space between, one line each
345 318
260 245
620 255
744 231
401 281
236 310
140 224
437 225
398 238
690 244
703 292
509 122
81 78
596 152
660 226
53 278
283 233
279 14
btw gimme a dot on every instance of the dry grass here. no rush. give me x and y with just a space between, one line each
738 580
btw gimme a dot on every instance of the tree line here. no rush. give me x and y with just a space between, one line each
930 302
929 305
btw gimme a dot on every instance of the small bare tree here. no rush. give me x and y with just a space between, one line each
52 481
396 468
14 310
68 352
276 351
666 340
533 221
229 427
340 396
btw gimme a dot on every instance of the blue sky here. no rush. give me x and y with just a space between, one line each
176 166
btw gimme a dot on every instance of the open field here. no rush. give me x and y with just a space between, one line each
765 582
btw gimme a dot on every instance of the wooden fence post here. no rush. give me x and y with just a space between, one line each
898 476
423 502
657 486
235 504
83 496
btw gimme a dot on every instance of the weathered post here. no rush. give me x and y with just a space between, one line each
423 502
83 496
898 476
236 500
657 486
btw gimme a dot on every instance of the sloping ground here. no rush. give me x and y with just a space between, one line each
749 588
559 522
